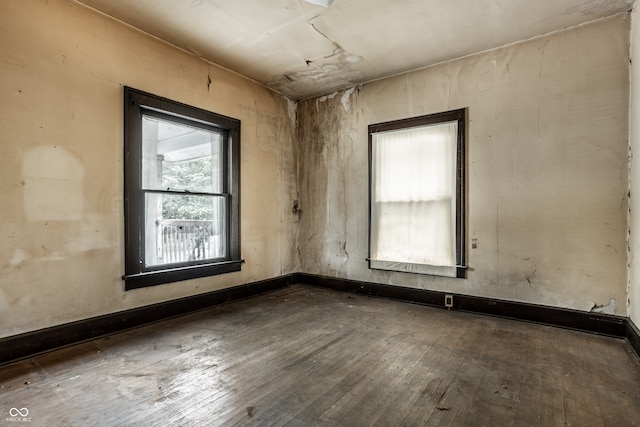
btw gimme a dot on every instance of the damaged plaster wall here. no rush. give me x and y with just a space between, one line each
547 169
634 179
62 69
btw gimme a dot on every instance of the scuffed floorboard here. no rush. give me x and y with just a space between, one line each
305 356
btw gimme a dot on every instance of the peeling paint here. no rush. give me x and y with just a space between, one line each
605 309
344 249
292 110
334 70
324 99
331 68
338 49
542 213
529 278
346 99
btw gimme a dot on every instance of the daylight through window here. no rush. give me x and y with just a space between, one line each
181 190
417 195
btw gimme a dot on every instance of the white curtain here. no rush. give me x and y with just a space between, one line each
413 197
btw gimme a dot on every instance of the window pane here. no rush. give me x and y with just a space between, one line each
181 191
414 232
180 228
415 164
413 208
180 157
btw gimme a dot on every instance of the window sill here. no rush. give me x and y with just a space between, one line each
407 267
153 278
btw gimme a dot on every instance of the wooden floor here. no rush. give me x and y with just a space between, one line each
306 356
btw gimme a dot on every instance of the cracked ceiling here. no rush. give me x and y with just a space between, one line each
302 50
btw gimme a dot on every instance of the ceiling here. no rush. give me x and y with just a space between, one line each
303 50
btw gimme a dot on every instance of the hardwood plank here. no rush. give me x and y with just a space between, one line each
308 356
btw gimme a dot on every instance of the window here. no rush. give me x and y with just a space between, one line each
182 191
416 185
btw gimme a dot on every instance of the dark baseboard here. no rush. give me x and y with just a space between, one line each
32 343
604 324
633 336
29 344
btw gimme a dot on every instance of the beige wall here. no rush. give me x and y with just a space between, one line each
547 166
634 180
547 169
62 68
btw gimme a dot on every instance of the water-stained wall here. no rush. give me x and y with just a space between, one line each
547 169
62 69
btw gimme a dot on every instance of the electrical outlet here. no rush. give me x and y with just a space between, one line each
448 301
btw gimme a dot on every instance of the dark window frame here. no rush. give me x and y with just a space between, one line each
460 116
137 103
